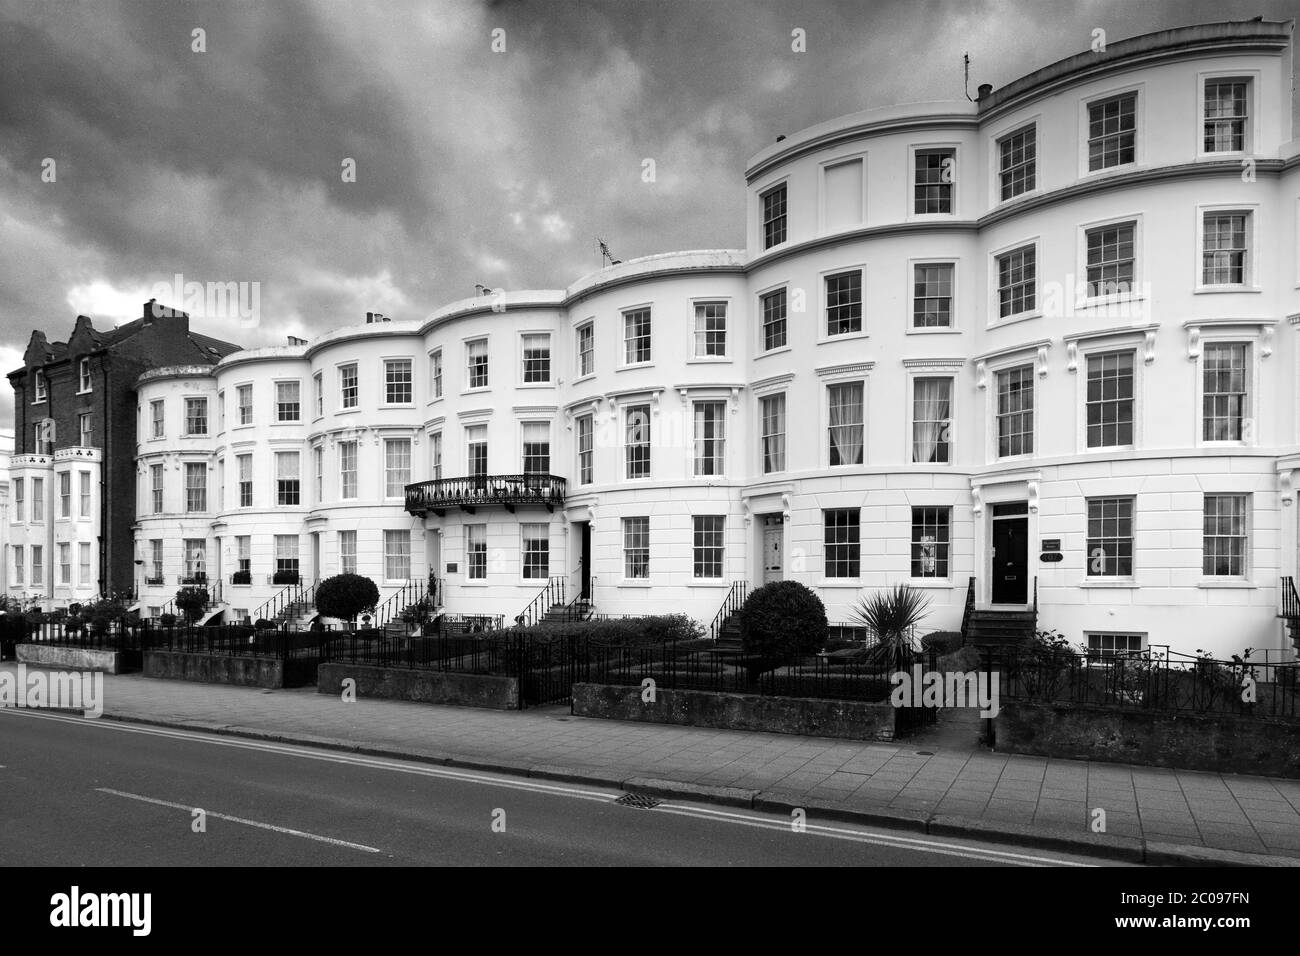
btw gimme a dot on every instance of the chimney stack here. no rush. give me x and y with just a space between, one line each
985 90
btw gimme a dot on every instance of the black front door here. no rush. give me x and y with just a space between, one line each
1010 559
586 560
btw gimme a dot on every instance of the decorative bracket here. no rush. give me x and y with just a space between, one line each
977 501
1193 344
785 507
981 378
1041 361
1266 342
745 506
1072 356
1033 495
1149 347
1285 480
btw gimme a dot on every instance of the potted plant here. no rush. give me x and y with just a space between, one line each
892 616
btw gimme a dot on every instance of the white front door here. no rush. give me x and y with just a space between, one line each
773 548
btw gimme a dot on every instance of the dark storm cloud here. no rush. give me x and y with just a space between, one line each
473 165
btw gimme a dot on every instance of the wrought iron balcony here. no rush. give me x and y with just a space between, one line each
484 491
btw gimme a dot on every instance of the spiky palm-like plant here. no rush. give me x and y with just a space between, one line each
892 615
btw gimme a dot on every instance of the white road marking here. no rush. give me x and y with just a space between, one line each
248 823
601 796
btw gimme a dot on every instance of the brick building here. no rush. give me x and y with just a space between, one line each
72 475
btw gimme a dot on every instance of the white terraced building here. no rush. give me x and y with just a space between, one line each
1038 351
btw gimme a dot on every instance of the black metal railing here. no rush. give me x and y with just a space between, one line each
1151 680
970 606
484 490
551 595
469 623
581 607
1290 600
735 598
409 595
290 594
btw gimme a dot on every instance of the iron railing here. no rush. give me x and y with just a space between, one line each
970 606
1150 680
580 608
411 594
735 598
290 594
551 595
484 490
1290 600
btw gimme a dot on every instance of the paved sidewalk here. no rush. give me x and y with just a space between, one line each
948 789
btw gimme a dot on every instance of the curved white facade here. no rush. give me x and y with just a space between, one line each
944 352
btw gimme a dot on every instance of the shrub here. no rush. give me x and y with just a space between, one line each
167 620
242 577
942 642
191 602
262 624
285 577
892 615
962 659
344 596
779 622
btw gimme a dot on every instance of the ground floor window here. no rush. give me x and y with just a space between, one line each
286 558
1109 645
84 560
536 551
707 549
842 529
931 541
476 552
1110 537
196 560
636 548
397 555
347 552
1225 535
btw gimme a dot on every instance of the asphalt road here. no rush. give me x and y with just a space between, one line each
80 792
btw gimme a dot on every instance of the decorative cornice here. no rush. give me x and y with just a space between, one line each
475 413
772 382
535 409
845 371
944 363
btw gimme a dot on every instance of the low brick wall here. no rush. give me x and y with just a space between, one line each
1221 742
214 668
69 658
853 720
427 687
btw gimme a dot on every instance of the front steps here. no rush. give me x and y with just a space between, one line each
990 627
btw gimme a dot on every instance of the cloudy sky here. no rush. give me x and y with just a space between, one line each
471 165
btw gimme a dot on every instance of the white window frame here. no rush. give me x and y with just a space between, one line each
1247 560
823 311
824 438
589 326
397 360
85 419
695 304
784 433
1091 579
550 444
761 194
826 555
436 379
240 407
277 420
642 580
624 313
400 535
932 580
995 317
1019 359
354 472
1251 131
524 336
318 384
1138 90
480 579
354 368
84 385
910 296
1093 348
722 559
389 441
760 347
185 410
157 422
995 159
469 344
1253 249
523 552
1101 637
823 168
912 150
1082 287
949 370
590 452
40 388
1233 336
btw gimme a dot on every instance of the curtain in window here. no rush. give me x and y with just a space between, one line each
710 421
930 413
846 424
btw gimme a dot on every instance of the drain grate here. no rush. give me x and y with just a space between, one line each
639 800
925 753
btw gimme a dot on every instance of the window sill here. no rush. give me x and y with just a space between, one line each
1224 289
1018 317
535 385
84 391
854 583
776 351
476 583
1119 583
634 366
398 405
477 390
937 584
583 378
709 583
641 583
843 337
1230 583
1108 301
710 360
933 330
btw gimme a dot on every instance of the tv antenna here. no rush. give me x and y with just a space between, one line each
606 257
965 62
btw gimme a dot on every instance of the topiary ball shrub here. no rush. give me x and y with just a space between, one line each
262 624
344 596
167 620
942 642
191 602
780 622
